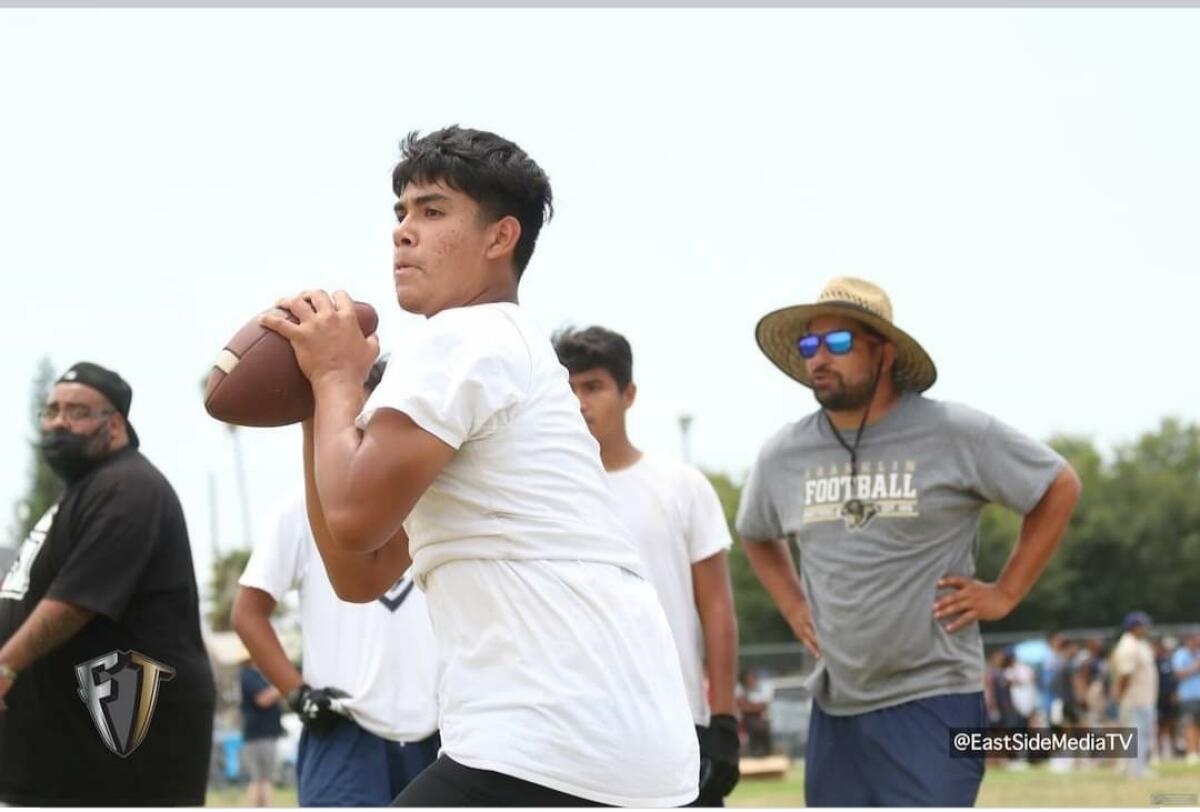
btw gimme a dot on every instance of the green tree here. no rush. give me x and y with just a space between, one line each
1056 599
1132 543
1154 497
758 619
44 486
227 568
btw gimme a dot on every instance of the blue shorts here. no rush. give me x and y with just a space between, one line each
349 766
897 756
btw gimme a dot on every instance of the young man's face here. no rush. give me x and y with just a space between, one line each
843 382
602 402
441 243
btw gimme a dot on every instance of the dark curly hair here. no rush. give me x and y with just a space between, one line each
595 348
492 171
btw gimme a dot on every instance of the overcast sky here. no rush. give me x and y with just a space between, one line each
1023 183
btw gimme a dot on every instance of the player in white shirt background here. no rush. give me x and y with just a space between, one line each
673 513
558 684
367 689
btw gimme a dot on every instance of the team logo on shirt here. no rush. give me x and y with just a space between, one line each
120 690
858 513
883 490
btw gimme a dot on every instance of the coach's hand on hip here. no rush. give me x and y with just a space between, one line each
327 340
799 617
971 600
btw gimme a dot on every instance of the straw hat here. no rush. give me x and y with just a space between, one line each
865 302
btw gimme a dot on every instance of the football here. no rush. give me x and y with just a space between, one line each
256 381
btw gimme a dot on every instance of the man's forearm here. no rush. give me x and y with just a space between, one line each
1041 531
774 567
713 597
251 618
268 696
273 661
358 577
335 441
1122 686
51 623
720 655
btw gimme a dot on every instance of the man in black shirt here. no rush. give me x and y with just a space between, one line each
106 693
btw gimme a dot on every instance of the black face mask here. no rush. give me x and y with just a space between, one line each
66 453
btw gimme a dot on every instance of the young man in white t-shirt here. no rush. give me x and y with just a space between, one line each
675 518
558 685
370 724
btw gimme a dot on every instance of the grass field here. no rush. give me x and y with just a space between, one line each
1037 786
236 796
1094 787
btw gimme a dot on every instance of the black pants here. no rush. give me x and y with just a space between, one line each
448 783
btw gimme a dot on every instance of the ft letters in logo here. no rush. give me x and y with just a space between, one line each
120 690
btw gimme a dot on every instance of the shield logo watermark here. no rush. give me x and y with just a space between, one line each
120 690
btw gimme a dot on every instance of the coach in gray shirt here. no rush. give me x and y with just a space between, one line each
881 489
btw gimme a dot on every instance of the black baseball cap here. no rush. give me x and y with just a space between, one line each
107 383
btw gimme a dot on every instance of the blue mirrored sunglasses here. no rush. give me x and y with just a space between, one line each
838 342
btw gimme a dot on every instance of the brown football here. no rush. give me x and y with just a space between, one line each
256 381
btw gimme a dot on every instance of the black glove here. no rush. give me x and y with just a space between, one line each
314 707
719 771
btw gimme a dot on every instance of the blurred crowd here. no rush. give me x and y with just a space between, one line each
1138 680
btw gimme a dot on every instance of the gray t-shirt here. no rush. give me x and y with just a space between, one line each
925 471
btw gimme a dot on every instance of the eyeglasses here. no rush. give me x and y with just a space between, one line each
838 342
72 412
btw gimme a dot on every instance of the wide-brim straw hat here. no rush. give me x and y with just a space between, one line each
865 302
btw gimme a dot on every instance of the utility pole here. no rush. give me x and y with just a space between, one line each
214 530
243 492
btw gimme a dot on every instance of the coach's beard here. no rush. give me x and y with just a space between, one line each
842 399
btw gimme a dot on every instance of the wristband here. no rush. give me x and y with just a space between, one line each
294 695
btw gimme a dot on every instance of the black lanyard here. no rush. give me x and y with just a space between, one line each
853 449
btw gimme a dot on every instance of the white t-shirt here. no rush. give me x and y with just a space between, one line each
761 694
674 516
382 653
556 655
1022 688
